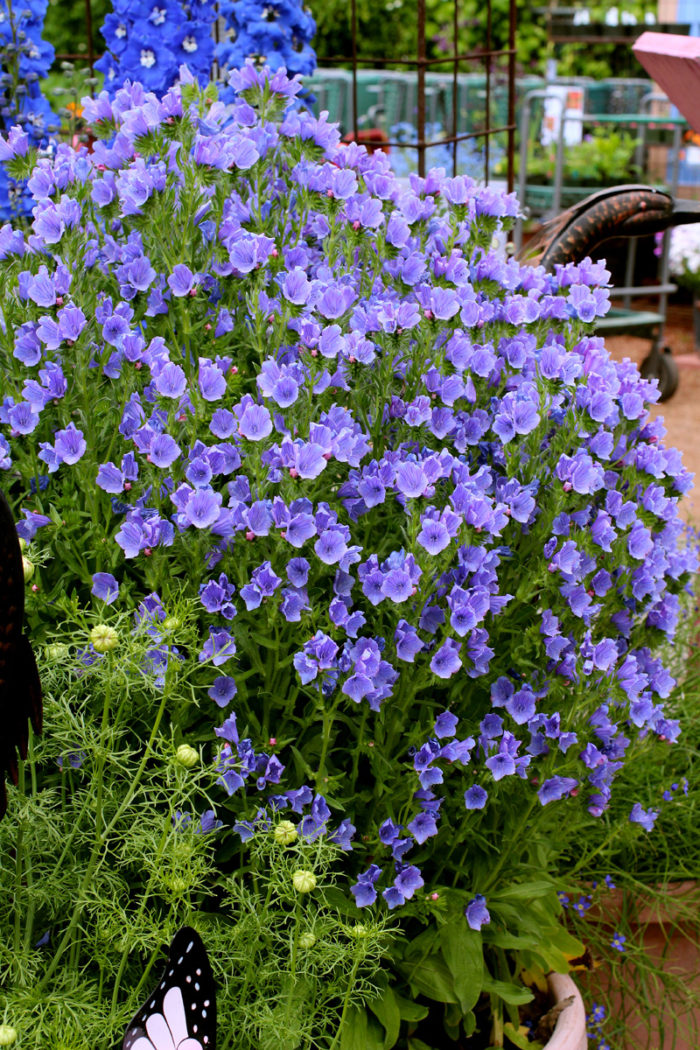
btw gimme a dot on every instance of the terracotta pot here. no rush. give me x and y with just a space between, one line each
570 1030
667 928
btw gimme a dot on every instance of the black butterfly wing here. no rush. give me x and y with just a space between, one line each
20 687
181 1012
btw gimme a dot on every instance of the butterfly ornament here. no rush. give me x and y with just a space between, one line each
181 1012
20 688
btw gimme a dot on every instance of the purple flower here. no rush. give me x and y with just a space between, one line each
181 280
70 444
433 536
411 479
222 690
203 508
23 417
477 913
212 381
475 797
255 423
363 890
295 287
171 381
422 827
164 450
105 586
446 661
446 724
556 788
645 817
219 647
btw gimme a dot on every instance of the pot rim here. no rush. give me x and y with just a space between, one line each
570 1030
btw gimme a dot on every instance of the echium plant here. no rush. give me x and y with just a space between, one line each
276 33
25 59
148 40
428 531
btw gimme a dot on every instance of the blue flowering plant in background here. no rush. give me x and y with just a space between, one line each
148 40
276 33
25 59
376 494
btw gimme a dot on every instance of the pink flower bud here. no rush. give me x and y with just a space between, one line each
127 486
234 370
59 300
314 352
567 486
250 536
147 551
356 224
192 292
207 327
428 314
274 253
293 472
273 741
434 896
35 588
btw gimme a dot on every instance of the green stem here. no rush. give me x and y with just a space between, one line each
346 1003
97 856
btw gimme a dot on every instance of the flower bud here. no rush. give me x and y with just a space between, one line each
27 569
8 1035
307 940
104 638
187 756
55 652
171 623
304 881
177 886
358 931
285 833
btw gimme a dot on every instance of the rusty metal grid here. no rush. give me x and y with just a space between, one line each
422 63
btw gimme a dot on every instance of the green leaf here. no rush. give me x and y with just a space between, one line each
431 977
524 891
463 952
418 1044
386 1009
520 1039
354 1033
514 994
410 1011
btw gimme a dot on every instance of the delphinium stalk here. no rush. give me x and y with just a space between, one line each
25 59
149 40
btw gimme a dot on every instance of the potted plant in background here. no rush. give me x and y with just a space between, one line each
684 264
646 975
348 547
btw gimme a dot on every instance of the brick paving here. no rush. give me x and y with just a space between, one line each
681 412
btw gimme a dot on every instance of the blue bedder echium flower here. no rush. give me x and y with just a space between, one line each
425 532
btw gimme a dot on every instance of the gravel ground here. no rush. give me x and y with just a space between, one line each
681 412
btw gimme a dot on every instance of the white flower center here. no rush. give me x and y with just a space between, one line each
157 16
120 31
148 59
189 44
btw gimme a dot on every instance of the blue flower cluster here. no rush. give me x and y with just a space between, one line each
470 152
429 532
277 33
148 40
25 59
